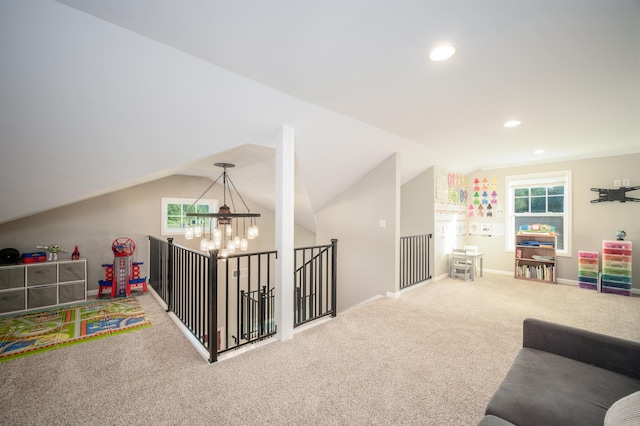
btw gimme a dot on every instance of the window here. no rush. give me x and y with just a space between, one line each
542 198
174 210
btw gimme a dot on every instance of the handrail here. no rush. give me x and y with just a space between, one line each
327 247
315 283
415 259
195 286
207 293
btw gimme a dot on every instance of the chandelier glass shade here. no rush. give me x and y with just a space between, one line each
229 230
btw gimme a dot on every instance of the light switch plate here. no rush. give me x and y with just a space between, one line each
616 183
626 182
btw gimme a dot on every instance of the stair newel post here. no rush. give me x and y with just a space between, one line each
169 274
334 276
213 306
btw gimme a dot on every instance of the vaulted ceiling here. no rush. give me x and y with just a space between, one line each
100 95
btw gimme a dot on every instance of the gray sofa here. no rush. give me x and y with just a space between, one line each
568 376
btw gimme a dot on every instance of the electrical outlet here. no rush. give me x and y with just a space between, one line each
616 183
626 182
239 273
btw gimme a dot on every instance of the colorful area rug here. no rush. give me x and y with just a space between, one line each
37 331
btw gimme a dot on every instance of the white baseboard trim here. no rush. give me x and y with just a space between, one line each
190 337
312 324
156 296
394 295
497 271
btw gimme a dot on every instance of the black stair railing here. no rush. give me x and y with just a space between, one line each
228 303
414 259
247 282
205 292
315 292
257 313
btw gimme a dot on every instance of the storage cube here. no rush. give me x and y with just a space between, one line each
616 267
588 270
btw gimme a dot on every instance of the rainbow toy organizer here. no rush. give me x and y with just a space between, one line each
588 269
616 267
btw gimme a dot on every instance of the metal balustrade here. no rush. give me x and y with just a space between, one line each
315 282
246 286
414 259
228 303
257 312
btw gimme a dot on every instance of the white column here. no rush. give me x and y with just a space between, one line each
285 176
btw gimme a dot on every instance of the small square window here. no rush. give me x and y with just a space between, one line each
174 210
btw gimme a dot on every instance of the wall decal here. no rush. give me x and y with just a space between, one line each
485 194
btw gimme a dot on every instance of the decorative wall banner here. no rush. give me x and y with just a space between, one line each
457 188
451 197
484 206
485 198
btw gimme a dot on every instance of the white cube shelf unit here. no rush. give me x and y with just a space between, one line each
36 285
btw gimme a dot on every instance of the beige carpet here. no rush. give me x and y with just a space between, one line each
433 356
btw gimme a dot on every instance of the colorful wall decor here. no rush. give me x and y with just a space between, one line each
485 198
457 188
451 196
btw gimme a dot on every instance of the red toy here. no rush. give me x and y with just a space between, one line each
123 274
76 254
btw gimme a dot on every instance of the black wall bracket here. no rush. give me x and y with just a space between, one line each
617 194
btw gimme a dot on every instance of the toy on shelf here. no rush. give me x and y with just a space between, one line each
53 251
76 254
35 257
123 274
537 229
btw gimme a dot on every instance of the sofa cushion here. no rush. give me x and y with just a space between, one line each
542 388
494 421
624 412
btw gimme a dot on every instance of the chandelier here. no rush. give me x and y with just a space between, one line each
228 229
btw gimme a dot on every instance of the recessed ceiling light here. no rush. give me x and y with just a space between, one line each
442 53
538 151
512 123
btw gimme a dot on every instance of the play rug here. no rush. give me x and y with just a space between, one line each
43 330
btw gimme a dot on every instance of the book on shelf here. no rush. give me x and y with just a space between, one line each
540 272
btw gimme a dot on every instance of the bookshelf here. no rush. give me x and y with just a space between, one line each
535 258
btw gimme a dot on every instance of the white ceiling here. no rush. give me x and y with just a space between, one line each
569 70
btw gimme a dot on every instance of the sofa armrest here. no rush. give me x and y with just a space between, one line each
612 353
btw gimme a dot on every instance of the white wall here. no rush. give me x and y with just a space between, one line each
135 212
367 253
417 213
89 107
592 222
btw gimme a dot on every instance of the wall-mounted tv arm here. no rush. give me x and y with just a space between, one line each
617 194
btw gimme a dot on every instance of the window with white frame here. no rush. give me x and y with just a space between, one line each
174 213
540 198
